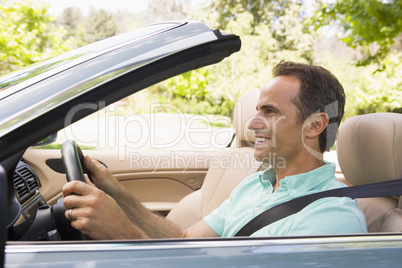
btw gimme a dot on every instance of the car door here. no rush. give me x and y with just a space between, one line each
159 181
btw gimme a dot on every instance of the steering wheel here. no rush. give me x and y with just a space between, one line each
73 161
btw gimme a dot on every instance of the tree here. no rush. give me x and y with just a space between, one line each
71 18
73 21
266 40
249 69
284 18
384 93
28 34
100 24
263 11
372 25
163 10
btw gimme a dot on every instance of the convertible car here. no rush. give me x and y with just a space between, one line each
183 185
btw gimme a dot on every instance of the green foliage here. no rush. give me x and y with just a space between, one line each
263 11
190 93
246 70
284 19
270 30
72 20
28 34
384 93
57 146
367 91
370 24
100 24
190 85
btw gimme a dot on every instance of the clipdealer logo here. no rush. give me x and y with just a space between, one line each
153 131
200 160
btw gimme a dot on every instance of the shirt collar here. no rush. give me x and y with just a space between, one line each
268 177
300 182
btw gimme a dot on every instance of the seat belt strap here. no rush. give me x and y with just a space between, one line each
271 215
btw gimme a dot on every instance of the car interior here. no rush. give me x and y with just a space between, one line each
367 153
366 148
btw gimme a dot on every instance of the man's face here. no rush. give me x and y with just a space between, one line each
276 126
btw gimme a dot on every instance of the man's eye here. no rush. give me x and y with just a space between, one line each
268 112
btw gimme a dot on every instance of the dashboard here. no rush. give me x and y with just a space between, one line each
26 187
35 219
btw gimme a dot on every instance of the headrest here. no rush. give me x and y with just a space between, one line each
244 112
369 148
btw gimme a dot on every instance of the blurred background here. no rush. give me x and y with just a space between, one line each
360 41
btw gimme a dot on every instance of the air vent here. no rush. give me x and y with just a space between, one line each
26 182
20 186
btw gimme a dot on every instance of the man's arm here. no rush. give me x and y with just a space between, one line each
109 211
155 226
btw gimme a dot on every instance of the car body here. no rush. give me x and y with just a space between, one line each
38 101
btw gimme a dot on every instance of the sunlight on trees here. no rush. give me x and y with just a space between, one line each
270 30
374 28
371 25
28 35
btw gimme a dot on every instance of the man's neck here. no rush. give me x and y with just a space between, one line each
298 166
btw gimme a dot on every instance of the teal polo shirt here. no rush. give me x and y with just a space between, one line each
329 215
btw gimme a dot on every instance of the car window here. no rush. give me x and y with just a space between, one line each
139 123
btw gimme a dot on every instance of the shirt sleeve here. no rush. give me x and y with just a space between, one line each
329 215
216 219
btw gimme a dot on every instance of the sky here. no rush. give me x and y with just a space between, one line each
57 6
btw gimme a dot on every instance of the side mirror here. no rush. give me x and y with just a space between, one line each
49 139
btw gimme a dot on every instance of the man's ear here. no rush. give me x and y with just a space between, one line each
316 124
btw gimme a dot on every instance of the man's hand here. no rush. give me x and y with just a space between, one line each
95 213
102 177
105 210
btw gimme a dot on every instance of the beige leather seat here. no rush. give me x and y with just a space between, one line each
369 150
226 171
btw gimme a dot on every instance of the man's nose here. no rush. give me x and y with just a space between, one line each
256 123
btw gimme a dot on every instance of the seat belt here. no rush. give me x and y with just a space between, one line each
271 215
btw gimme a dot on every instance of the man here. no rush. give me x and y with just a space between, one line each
297 118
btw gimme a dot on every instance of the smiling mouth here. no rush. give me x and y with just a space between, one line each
262 141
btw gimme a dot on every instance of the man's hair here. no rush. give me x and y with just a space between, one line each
320 91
